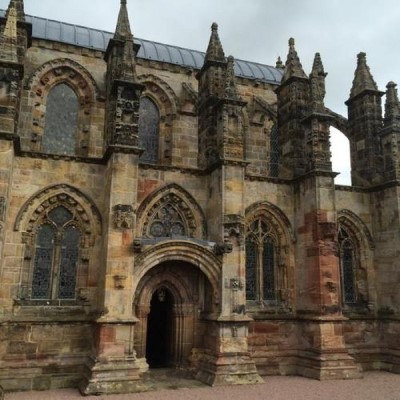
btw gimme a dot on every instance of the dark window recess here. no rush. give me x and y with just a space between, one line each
61 121
149 128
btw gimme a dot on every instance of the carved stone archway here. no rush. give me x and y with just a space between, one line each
191 296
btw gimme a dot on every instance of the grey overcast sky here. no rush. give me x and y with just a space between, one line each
258 30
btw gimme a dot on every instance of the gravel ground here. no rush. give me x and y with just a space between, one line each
374 386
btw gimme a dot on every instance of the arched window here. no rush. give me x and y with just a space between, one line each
56 257
260 262
61 121
347 267
149 128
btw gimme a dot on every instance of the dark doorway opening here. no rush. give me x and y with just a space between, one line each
159 330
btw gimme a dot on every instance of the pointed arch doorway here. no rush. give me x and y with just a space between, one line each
170 303
160 329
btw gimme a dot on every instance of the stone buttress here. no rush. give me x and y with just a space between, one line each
113 368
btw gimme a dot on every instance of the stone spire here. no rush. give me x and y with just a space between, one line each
363 79
18 6
9 32
317 78
392 105
122 63
123 30
293 67
215 52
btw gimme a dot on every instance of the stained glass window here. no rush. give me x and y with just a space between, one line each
347 267
61 121
68 262
251 270
43 261
268 270
149 127
260 262
56 257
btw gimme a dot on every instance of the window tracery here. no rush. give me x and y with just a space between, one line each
56 256
261 255
60 228
347 266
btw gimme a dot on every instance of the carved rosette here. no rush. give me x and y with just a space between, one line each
123 216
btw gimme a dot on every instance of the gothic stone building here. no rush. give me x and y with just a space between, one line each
165 207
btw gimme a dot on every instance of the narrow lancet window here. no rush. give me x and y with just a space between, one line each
61 121
149 127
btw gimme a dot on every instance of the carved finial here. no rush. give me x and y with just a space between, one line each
230 83
293 67
363 79
318 67
215 52
279 63
317 78
392 106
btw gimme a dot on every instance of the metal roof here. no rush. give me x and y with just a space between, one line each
47 29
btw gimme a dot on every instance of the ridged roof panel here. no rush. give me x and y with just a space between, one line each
76 35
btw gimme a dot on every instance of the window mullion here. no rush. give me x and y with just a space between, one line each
56 263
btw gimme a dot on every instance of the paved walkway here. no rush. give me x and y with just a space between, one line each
374 386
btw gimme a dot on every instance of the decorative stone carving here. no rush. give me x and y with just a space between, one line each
137 246
183 209
223 248
119 281
233 227
123 216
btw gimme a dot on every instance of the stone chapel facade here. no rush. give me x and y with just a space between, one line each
171 213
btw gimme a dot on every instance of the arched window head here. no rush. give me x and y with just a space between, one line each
149 129
61 121
347 267
56 257
260 262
